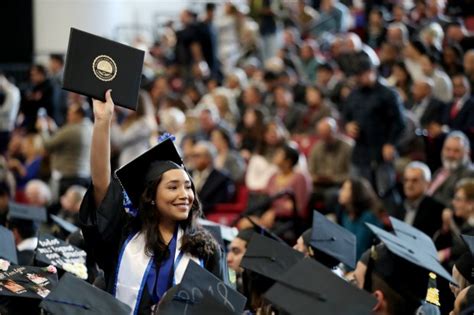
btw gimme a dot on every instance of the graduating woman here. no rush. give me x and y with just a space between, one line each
143 255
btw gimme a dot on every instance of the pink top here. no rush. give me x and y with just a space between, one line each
299 184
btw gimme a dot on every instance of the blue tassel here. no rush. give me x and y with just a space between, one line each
127 204
165 136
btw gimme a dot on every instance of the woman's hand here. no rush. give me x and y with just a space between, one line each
104 111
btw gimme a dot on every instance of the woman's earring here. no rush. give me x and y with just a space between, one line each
153 202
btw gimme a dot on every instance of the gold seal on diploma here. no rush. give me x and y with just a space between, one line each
104 68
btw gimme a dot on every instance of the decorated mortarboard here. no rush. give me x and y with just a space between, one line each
7 245
56 252
95 65
197 280
412 234
74 296
179 300
465 263
19 211
63 224
333 240
309 288
410 252
27 282
134 176
268 257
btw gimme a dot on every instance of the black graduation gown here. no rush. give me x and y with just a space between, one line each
104 230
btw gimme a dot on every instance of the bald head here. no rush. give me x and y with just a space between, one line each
326 129
422 88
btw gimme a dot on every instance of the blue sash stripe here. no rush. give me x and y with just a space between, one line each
142 286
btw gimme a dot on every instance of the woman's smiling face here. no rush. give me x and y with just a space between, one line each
174 195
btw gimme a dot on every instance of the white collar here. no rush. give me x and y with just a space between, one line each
28 244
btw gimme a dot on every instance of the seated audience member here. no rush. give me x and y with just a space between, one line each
358 205
419 210
316 109
227 159
285 108
32 153
287 178
212 186
132 137
260 167
456 165
460 113
71 203
458 221
442 85
425 106
329 162
38 193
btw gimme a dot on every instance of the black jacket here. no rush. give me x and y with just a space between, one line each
428 216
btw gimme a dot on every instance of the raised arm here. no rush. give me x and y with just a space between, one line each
100 150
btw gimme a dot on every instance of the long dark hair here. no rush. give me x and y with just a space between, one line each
363 196
195 241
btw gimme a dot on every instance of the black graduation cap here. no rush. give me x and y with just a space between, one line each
95 65
179 300
7 245
26 212
268 257
227 233
198 279
412 234
309 288
27 282
74 296
410 252
333 239
469 240
263 231
465 263
133 175
65 225
56 252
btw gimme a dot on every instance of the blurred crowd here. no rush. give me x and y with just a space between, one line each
361 110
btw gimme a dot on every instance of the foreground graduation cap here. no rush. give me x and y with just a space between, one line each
131 176
412 234
198 279
7 245
63 224
26 212
333 240
465 263
178 300
228 233
263 231
27 282
268 257
95 64
310 288
410 252
74 296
